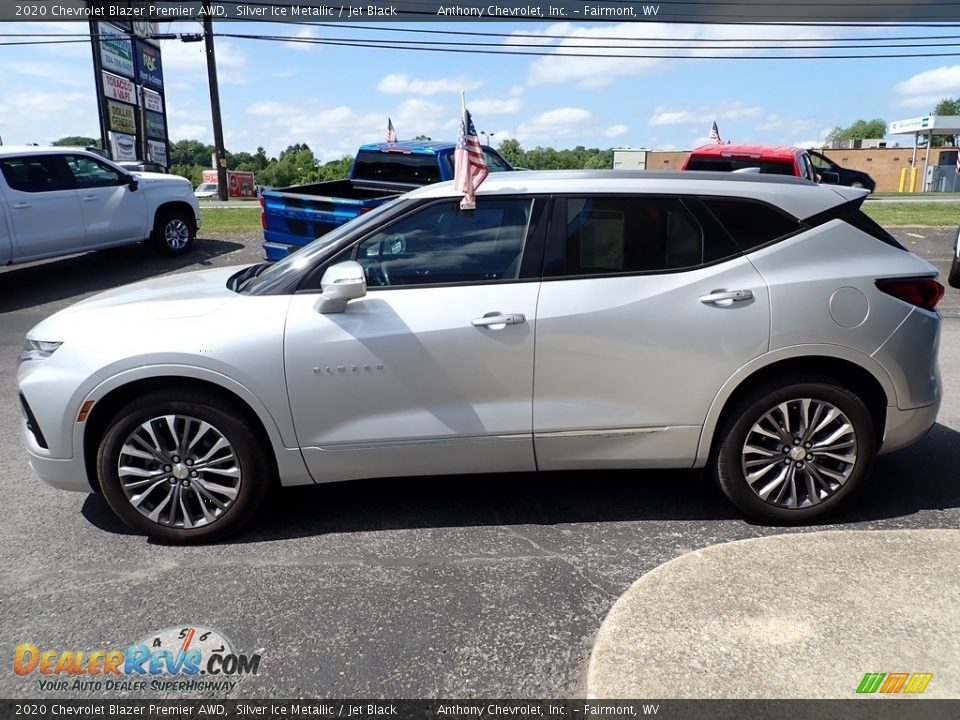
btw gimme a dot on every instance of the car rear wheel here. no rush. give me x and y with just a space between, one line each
182 468
173 232
795 451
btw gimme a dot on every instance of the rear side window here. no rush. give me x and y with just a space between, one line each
413 169
722 164
751 224
617 235
39 173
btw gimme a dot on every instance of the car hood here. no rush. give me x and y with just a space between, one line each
172 297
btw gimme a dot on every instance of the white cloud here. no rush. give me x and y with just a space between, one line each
786 126
306 33
494 106
191 57
554 124
54 72
616 131
203 133
401 84
517 90
926 89
564 65
705 113
26 117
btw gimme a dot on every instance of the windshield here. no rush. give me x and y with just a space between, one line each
281 272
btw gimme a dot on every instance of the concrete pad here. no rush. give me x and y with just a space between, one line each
803 615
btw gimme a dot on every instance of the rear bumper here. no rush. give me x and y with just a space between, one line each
905 427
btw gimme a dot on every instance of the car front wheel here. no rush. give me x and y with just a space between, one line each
796 451
182 468
173 232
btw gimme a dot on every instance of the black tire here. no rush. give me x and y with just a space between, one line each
173 232
249 459
728 458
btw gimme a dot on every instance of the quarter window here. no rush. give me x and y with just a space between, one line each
615 235
751 224
444 244
90 173
40 173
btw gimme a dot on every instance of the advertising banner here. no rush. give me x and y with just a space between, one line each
118 88
124 146
116 53
121 117
149 69
156 126
152 101
157 152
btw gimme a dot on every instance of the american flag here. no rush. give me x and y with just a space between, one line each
391 133
470 165
715 134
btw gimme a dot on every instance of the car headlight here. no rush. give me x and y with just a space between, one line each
37 349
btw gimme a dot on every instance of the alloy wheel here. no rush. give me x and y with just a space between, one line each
176 234
179 471
799 453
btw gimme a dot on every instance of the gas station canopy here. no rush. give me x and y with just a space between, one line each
928 126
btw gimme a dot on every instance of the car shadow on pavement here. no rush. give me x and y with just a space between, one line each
902 484
35 284
923 477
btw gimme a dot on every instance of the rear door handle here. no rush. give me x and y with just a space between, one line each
21 206
500 319
726 297
89 198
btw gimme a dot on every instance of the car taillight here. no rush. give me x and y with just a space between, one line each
263 214
923 292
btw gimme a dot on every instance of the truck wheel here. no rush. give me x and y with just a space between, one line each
182 467
795 450
173 232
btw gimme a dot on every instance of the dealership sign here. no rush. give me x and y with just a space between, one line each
122 117
149 70
157 152
156 127
124 146
118 88
152 101
116 52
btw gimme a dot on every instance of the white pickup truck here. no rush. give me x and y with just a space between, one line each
58 201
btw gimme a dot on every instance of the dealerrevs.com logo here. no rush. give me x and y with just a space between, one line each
177 659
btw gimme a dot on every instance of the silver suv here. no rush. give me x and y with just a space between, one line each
762 328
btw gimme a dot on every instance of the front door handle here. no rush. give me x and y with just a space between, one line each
21 206
726 297
89 198
499 319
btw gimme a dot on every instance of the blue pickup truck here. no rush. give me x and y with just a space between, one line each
294 216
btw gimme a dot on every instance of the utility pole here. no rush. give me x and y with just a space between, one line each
219 151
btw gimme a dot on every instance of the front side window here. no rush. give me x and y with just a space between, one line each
444 244
89 173
494 163
35 174
624 235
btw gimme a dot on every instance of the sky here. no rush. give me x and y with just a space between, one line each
334 98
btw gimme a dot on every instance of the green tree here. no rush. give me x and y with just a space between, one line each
77 140
861 129
945 107
513 152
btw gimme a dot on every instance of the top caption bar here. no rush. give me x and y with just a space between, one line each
679 11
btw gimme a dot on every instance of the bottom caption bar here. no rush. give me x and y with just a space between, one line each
867 709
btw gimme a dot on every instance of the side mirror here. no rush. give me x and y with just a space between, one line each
340 284
133 183
829 178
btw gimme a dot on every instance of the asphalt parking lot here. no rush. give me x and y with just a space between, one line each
484 586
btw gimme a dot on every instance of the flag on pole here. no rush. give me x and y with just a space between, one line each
715 134
391 133
469 163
